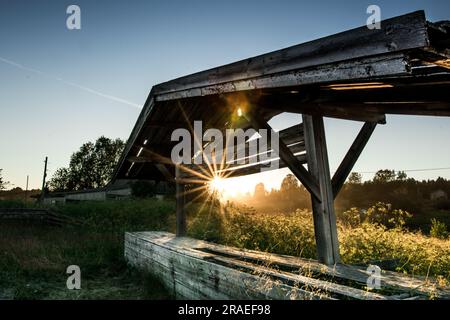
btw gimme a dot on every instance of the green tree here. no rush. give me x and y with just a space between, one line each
90 167
291 193
289 184
355 178
260 191
383 213
61 180
383 176
3 183
401 175
438 229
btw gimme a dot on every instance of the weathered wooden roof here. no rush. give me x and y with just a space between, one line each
360 74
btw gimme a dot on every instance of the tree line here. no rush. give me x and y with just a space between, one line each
90 167
386 186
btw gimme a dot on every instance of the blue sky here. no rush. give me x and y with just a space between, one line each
60 88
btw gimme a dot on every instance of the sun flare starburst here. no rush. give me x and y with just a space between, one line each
217 184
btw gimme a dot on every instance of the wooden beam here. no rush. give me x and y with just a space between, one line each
180 202
292 137
286 155
149 156
289 103
236 170
395 36
166 124
352 156
393 64
323 211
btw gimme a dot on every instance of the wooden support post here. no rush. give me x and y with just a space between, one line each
352 155
41 199
323 211
180 202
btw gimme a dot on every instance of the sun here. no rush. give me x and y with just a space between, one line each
217 184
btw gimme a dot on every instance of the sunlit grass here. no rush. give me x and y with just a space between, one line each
293 234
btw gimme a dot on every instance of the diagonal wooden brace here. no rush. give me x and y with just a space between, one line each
286 155
351 157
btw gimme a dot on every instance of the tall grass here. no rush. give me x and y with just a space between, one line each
119 216
293 234
34 257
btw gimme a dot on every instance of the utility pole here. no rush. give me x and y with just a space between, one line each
43 179
26 189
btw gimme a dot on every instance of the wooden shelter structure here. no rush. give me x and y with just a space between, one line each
360 75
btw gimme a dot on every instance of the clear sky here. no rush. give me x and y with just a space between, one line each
60 88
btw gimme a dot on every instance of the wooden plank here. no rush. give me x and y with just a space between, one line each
326 109
212 279
368 111
397 34
236 170
258 159
191 273
314 284
185 281
166 124
150 156
290 136
325 229
224 272
351 157
205 279
387 65
395 282
138 127
389 280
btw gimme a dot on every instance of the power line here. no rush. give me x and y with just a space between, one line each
409 170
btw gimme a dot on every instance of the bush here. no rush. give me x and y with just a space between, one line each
361 241
438 229
351 218
206 225
382 213
118 216
416 253
13 204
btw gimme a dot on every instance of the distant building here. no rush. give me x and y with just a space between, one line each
100 194
438 195
121 189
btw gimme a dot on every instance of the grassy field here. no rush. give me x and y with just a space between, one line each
34 258
362 241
